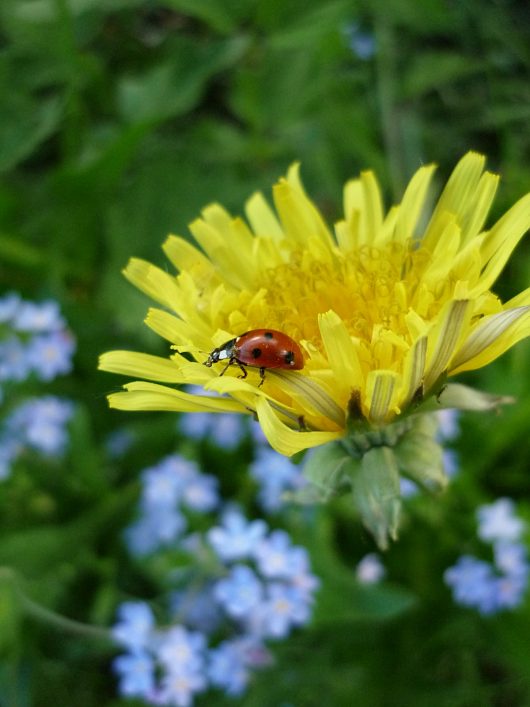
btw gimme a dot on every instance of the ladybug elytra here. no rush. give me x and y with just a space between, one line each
259 348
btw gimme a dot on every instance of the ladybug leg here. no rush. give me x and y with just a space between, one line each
226 367
262 376
243 369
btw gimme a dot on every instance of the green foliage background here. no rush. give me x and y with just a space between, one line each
119 121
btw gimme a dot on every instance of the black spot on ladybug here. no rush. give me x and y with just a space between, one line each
256 353
268 335
289 357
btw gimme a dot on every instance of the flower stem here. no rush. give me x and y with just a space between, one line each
387 86
55 620
10 580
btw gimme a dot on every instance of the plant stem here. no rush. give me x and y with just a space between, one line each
11 581
51 618
387 88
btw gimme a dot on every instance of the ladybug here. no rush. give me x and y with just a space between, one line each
259 348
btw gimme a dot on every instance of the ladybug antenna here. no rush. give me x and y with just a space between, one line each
187 348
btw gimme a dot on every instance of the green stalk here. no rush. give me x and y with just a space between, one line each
62 623
387 90
15 602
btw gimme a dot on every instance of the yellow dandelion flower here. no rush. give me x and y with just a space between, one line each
385 307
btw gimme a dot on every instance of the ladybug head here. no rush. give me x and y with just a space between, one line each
212 358
222 353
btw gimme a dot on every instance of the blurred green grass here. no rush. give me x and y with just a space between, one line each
120 120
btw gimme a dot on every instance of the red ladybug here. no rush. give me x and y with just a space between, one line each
259 348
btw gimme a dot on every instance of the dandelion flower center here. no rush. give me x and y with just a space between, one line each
371 289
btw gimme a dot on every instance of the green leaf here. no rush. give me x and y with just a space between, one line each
421 18
175 87
84 456
420 457
38 551
345 599
312 26
327 469
10 613
35 550
44 12
15 683
15 252
432 71
376 493
462 397
158 94
220 15
24 126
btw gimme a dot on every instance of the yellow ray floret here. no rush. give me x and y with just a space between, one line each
385 306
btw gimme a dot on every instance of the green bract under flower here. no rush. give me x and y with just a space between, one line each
384 309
